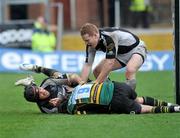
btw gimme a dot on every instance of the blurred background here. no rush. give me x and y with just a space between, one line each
65 17
53 25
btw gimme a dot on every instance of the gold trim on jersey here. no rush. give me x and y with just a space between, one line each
95 92
92 91
98 93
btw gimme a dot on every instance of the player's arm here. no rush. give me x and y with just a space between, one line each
109 61
86 72
55 102
66 79
75 79
48 110
90 55
70 79
39 69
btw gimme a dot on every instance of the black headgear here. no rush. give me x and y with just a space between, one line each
30 93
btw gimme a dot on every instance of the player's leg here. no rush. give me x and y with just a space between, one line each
133 65
159 109
131 68
134 60
122 104
123 100
145 100
99 67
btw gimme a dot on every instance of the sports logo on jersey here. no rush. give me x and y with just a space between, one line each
110 47
111 51
83 91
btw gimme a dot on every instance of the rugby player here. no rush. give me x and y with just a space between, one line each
56 94
122 48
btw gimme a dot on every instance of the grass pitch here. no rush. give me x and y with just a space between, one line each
21 119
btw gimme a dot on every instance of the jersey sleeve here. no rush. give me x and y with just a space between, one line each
63 79
90 54
47 108
49 111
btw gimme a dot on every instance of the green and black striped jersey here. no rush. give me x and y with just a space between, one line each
90 93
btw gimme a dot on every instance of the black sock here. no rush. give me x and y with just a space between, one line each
163 109
154 102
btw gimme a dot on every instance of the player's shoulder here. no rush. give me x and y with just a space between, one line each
110 32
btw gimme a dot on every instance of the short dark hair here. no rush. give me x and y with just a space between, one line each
30 93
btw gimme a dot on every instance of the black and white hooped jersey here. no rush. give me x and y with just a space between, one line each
57 89
112 41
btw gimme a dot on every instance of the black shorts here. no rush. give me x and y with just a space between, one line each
123 99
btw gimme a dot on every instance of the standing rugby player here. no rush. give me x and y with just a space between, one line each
122 48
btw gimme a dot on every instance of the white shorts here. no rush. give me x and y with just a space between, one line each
140 49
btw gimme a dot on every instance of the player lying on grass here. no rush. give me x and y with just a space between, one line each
55 95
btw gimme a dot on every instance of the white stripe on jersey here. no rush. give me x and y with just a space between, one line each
124 38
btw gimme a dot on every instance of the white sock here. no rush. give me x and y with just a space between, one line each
177 108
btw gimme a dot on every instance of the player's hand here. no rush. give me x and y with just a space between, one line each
82 83
25 82
55 102
95 82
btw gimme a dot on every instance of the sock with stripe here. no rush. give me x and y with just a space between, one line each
163 109
155 102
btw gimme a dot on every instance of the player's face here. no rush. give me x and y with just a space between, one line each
91 40
43 94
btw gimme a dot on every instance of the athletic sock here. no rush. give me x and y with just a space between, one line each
155 102
163 109
176 108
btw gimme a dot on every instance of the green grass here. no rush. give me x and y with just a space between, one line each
21 119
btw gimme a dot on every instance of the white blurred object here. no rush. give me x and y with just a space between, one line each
27 67
25 82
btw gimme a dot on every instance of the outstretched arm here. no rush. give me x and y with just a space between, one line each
25 82
39 69
66 79
69 79
48 72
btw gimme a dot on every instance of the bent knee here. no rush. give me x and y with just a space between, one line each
139 100
131 69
